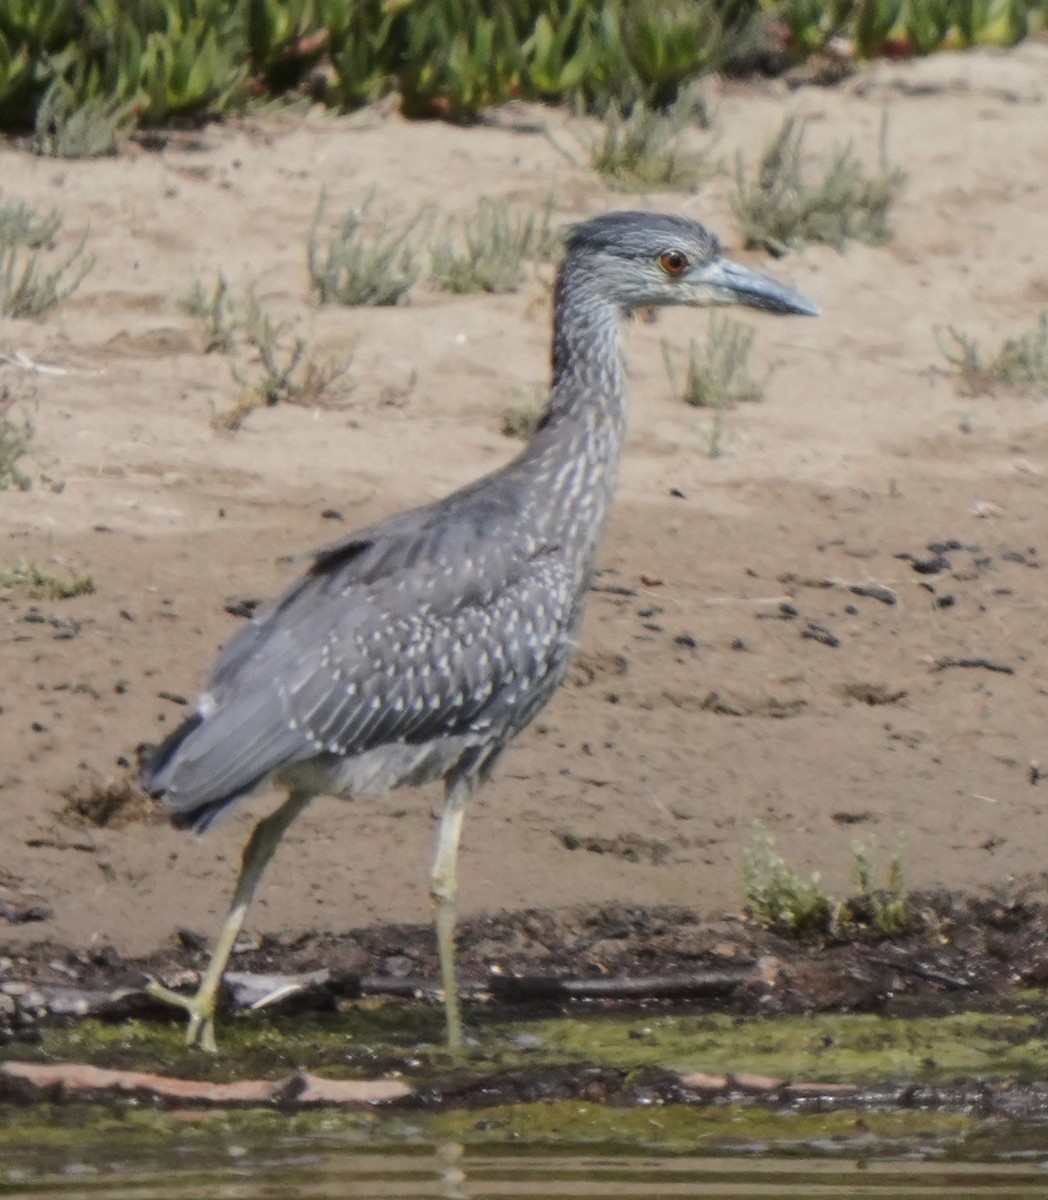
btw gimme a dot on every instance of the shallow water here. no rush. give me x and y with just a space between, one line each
487 1141
450 1172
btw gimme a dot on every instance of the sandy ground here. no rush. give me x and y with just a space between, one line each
641 781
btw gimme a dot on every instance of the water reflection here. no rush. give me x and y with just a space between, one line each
451 1172
453 1175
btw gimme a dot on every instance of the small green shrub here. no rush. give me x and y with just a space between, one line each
493 246
627 52
560 54
642 150
28 285
544 241
365 51
279 363
167 57
1019 362
216 312
882 911
669 43
777 895
522 414
289 375
458 60
779 210
784 901
716 373
15 438
364 262
29 289
716 377
21 226
37 584
68 126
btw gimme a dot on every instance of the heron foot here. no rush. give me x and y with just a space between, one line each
201 1008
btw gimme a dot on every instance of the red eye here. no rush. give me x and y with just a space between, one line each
673 262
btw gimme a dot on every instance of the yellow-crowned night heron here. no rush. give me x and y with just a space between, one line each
418 648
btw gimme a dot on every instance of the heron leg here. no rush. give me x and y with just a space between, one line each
443 888
257 853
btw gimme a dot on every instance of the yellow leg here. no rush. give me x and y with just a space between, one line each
443 888
257 853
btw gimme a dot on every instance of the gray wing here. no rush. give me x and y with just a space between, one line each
438 624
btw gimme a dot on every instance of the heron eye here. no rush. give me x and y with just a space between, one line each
673 262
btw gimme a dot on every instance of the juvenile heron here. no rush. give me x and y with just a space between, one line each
418 648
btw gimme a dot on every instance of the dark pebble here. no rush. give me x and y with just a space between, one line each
819 633
242 608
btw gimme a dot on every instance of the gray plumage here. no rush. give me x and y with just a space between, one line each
419 647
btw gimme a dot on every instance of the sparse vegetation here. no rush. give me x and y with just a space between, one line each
714 433
880 910
1020 361
67 126
279 362
780 210
716 373
29 286
281 381
29 289
288 375
545 240
109 805
521 416
366 261
716 376
15 437
643 148
216 312
37 584
21 226
781 898
486 250
777 895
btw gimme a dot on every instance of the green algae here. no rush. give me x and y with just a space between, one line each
369 1039
684 1129
133 1135
382 1040
852 1048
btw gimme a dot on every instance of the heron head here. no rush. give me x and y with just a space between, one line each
642 260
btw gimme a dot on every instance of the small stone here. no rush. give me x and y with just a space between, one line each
320 1091
750 1082
803 1090
701 1081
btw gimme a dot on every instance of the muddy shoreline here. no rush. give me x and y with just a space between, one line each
960 951
963 955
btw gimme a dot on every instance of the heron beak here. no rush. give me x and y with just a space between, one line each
725 282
